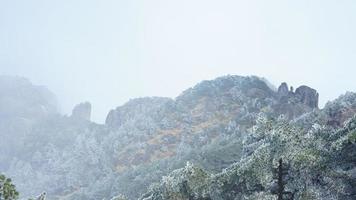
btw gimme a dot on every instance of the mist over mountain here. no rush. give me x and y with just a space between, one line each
221 139
133 100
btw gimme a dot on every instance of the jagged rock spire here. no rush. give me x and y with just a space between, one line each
283 89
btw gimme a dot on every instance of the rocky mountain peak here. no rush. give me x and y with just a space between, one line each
224 84
20 98
303 95
82 111
283 89
227 96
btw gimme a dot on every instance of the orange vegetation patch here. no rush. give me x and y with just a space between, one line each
218 119
157 139
163 144
121 168
199 108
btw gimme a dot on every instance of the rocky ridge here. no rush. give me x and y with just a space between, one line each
201 112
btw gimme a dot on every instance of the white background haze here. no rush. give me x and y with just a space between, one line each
110 51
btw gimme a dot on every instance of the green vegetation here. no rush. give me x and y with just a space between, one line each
286 163
352 137
7 189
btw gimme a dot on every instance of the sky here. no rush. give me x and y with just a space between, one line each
109 51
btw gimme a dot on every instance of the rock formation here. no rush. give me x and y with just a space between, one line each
82 111
307 96
293 104
303 94
283 89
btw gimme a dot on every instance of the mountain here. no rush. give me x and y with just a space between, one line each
199 115
228 129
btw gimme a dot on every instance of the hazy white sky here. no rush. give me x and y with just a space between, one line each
108 51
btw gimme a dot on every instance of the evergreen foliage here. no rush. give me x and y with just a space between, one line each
7 189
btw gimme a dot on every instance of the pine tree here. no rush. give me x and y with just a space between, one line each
281 176
7 189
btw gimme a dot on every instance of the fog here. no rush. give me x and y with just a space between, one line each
108 52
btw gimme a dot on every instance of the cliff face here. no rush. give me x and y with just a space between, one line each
212 124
